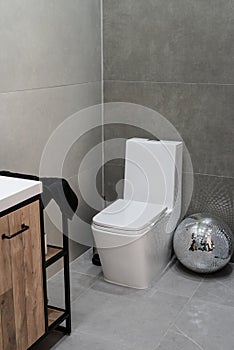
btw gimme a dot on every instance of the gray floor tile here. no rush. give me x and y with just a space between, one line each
138 323
207 324
225 276
85 341
179 281
165 317
79 284
176 341
83 264
217 288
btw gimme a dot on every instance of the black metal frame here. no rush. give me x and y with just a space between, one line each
66 274
55 257
64 253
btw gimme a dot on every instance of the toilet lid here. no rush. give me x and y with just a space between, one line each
129 215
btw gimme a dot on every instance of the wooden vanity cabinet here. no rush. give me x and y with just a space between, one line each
22 317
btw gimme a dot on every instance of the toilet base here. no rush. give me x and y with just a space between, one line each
139 263
124 285
170 263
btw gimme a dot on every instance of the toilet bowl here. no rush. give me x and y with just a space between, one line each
133 235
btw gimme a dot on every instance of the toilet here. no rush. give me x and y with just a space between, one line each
133 235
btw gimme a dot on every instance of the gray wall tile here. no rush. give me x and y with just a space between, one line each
114 174
49 43
202 114
214 195
29 118
169 40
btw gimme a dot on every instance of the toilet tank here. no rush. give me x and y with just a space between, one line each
153 172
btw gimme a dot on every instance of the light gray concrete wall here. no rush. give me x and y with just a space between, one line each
50 68
177 57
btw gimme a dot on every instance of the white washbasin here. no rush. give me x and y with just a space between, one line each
14 191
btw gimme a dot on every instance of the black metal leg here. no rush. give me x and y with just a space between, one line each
66 274
44 264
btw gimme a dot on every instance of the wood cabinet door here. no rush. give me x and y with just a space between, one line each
7 317
26 285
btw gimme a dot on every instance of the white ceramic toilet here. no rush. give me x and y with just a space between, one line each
133 235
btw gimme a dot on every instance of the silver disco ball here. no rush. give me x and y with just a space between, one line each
203 243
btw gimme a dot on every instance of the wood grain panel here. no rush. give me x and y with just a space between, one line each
7 315
27 275
5 260
53 315
1 334
22 319
33 274
18 281
51 251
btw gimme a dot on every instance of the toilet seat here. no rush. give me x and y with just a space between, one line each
128 217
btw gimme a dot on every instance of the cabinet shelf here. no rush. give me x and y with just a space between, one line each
55 316
54 253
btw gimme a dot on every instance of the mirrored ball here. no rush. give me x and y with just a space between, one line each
203 243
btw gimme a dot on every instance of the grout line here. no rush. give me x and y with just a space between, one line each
205 174
195 290
48 87
102 102
179 313
175 331
86 289
216 303
165 82
223 284
191 340
156 288
85 274
187 172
